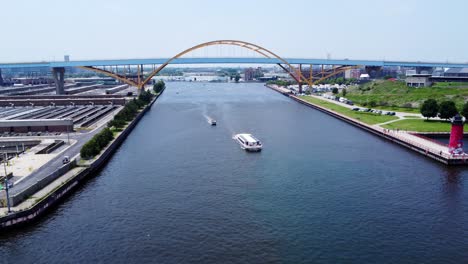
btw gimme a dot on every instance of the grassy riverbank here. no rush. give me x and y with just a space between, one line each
420 125
368 118
388 94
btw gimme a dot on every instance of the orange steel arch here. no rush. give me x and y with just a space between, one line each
260 50
335 72
295 73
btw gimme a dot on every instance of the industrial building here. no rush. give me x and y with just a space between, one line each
418 80
251 74
36 125
457 72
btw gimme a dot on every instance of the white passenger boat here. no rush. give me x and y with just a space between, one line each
213 122
248 142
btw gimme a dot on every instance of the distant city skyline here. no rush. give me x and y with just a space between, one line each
391 30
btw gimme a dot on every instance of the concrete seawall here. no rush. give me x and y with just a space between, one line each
419 148
31 214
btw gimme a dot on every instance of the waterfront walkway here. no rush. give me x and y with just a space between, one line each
418 143
32 200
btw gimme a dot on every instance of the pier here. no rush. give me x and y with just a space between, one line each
418 143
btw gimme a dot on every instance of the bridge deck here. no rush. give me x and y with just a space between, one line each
231 60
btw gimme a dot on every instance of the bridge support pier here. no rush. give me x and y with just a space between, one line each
59 78
1 78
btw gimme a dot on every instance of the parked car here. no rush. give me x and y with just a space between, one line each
356 109
66 160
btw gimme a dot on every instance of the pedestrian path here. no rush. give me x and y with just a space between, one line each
419 141
31 201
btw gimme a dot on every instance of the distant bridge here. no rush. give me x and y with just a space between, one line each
111 67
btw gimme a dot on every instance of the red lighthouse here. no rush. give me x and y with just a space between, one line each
456 135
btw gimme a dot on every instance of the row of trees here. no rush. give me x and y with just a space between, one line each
130 110
281 82
94 146
447 109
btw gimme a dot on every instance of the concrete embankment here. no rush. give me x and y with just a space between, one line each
52 194
411 141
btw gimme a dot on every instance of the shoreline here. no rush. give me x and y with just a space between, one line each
69 181
423 149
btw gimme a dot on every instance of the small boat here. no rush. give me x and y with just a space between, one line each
213 122
248 142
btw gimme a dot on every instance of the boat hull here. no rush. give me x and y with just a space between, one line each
249 148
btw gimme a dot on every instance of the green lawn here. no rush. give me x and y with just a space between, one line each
368 118
397 94
450 85
420 125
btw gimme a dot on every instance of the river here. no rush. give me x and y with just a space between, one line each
321 191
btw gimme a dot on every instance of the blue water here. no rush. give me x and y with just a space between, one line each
181 191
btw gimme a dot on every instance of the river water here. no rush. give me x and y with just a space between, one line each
321 191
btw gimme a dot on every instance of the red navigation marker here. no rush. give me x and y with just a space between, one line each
456 135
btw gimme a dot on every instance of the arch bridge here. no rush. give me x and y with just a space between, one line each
295 72
121 69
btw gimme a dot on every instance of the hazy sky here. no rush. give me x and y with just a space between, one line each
428 30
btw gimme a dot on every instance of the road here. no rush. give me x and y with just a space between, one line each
56 162
53 164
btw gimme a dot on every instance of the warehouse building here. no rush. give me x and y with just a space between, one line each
36 125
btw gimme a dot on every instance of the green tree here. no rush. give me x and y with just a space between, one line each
464 111
145 97
339 80
343 92
94 146
237 78
90 149
335 90
447 110
429 108
117 123
159 86
279 82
